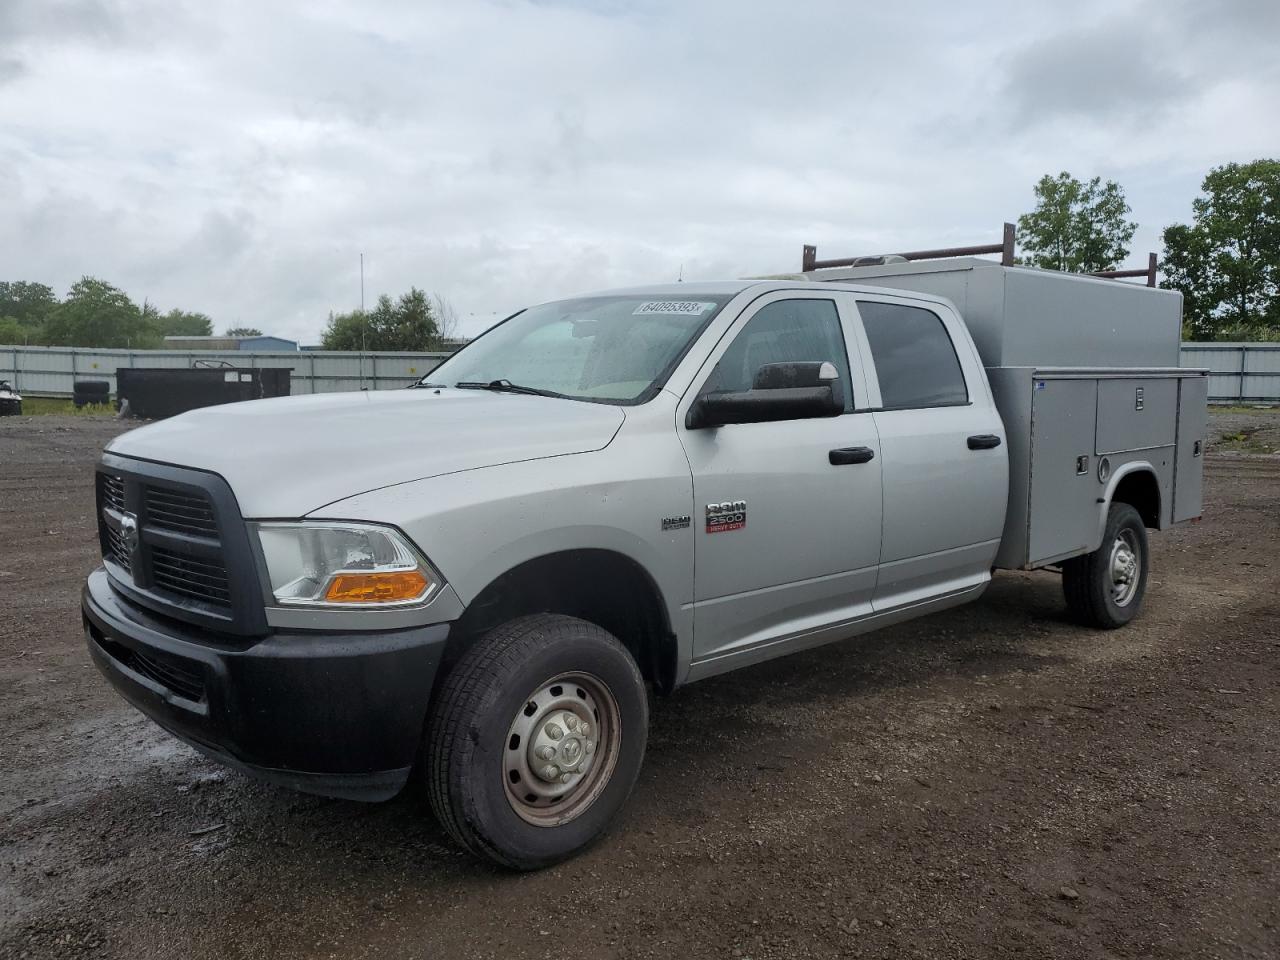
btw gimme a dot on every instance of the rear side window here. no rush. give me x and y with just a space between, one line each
914 357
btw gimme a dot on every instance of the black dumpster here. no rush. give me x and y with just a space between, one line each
157 392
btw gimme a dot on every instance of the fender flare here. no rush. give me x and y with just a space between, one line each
1108 495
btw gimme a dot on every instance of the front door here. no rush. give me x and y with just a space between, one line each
787 535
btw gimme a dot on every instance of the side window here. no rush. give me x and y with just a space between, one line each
914 357
781 332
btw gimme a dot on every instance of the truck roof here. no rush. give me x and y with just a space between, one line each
685 291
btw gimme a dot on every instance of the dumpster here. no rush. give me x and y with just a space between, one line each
153 393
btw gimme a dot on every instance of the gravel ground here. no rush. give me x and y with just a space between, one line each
1246 430
988 782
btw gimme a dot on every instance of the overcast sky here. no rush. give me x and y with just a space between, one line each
236 157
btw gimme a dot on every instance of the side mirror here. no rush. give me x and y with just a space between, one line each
780 391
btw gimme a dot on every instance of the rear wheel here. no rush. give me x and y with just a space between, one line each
535 740
1105 588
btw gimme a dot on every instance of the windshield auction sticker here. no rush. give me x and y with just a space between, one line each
672 306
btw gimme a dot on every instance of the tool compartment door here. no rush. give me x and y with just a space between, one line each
1136 414
1063 508
1188 476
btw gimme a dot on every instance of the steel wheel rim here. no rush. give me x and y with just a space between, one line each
581 757
1124 568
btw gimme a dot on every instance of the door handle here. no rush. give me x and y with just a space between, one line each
984 441
851 455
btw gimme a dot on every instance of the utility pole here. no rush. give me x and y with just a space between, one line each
364 322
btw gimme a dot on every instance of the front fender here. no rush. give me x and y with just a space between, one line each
478 525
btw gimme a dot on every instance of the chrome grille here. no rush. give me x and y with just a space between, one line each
189 513
113 491
119 550
204 581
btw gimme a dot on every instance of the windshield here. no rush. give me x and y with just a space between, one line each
618 349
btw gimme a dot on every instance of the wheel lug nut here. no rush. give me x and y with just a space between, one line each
550 771
571 721
553 731
565 778
546 753
591 747
585 730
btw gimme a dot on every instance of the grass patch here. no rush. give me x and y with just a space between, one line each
1244 441
61 406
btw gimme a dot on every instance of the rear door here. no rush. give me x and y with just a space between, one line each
786 540
945 465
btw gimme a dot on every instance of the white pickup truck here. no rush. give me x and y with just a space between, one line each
474 582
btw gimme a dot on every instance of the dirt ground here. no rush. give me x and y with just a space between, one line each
989 782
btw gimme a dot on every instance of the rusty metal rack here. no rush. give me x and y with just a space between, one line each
1149 272
810 262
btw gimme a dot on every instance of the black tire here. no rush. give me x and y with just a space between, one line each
89 392
1090 584
470 746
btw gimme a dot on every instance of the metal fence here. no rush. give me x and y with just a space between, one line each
1239 372
52 371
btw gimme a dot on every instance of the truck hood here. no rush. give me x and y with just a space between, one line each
288 456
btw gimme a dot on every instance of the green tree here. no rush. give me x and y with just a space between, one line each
14 331
183 323
1227 261
96 314
243 332
1075 226
407 324
28 303
27 306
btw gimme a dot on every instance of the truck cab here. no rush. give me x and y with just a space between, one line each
473 582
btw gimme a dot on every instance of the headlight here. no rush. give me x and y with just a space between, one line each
344 565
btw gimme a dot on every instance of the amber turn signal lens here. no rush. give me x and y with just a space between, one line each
376 587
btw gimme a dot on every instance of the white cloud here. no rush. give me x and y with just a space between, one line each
237 157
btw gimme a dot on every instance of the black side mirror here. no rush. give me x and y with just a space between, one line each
780 391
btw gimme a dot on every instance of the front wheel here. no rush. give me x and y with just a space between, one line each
535 740
1105 588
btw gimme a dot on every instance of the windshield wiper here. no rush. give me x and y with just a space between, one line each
506 386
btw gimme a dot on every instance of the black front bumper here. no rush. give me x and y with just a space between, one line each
339 714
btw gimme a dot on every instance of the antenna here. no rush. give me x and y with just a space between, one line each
364 322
